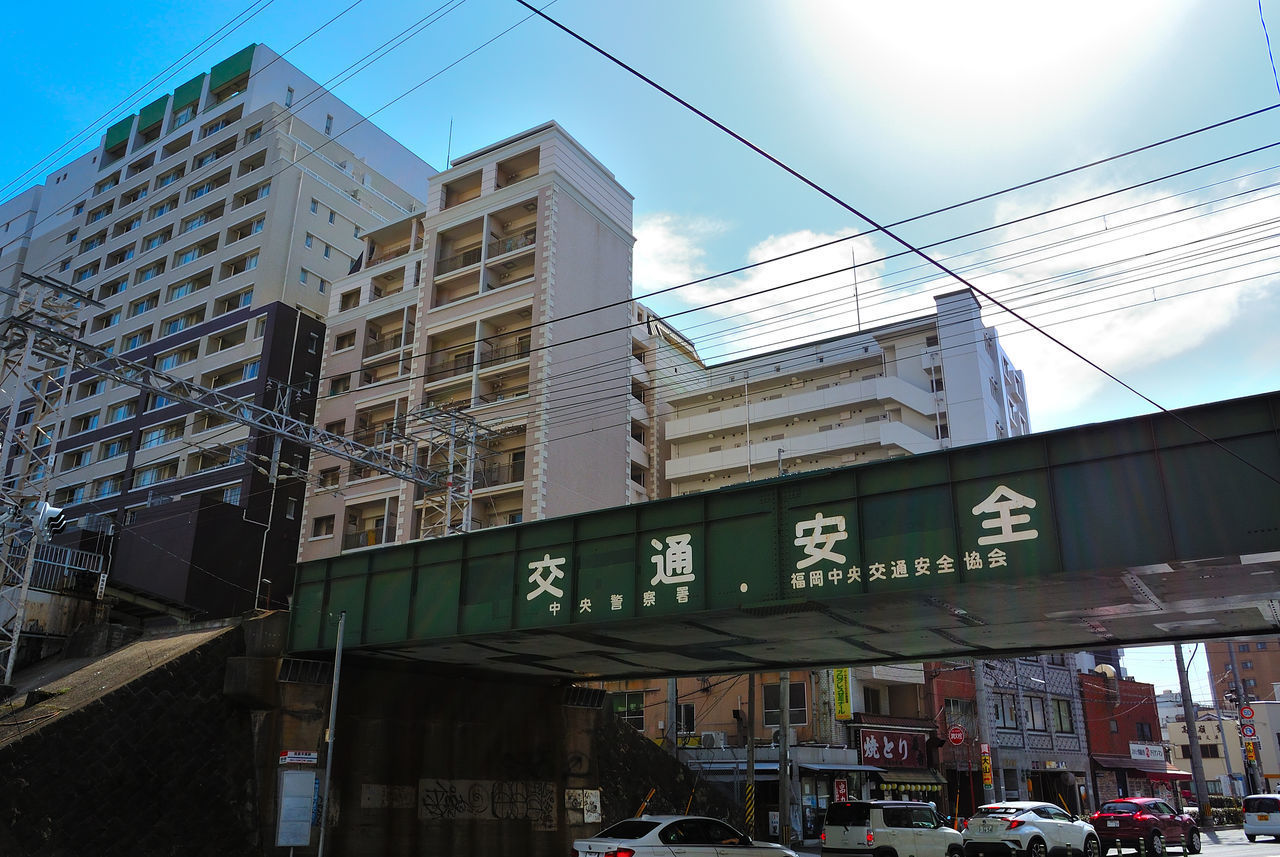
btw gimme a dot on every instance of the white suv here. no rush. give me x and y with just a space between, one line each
1028 827
883 828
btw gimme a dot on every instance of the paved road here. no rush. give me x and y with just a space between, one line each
1225 842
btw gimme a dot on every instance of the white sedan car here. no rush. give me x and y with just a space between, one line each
1028 827
675 836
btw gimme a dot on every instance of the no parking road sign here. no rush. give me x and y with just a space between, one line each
1249 730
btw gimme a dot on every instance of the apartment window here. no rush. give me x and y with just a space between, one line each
171 177
307 241
288 97
137 340
162 208
159 435
183 116
1035 707
177 358
1242 647
315 209
113 448
244 230
1246 665
329 476
685 720
91 388
150 302
182 322
122 411
1114 725
328 125
157 240
253 134
1062 716
150 271
251 370
134 195
339 385
84 422
79 209
332 218
259 327
86 272
326 251
110 319
74 233
157 473
64 266
629 706
1006 711
798 710
931 341
1144 731
1250 683
79 458
1262 646
302 276
106 184
322 526
99 213
343 341
128 225
338 427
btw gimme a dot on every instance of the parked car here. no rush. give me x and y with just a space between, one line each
1261 816
1033 828
1147 822
884 827
663 835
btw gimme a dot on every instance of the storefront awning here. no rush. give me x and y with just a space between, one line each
837 766
912 777
1156 769
730 770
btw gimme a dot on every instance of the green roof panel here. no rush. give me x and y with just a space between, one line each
230 68
118 133
189 92
152 113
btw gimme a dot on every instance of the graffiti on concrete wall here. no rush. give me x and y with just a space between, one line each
492 800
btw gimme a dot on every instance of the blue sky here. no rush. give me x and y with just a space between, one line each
898 108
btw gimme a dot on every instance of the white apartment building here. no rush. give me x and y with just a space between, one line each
506 302
913 386
210 226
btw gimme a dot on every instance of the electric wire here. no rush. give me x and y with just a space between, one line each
894 236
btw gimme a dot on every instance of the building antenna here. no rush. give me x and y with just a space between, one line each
857 309
448 149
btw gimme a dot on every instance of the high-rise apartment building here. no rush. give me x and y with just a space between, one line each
491 338
210 228
1255 660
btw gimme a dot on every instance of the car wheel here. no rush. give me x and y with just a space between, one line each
1091 847
1193 842
955 851
1037 848
1157 844
1251 837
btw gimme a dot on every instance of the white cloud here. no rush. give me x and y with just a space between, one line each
668 250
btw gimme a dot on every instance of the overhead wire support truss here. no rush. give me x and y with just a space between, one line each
150 379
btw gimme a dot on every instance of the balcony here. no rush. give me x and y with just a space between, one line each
499 474
458 261
511 243
362 539
492 355
386 254
387 342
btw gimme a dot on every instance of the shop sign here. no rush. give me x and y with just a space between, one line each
892 749
840 684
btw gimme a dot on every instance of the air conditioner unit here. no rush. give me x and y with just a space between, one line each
712 740
791 732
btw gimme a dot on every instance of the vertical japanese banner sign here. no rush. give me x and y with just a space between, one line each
840 687
986 767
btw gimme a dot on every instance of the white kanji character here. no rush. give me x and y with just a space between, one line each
818 542
546 572
682 594
835 575
1001 503
996 558
615 602
855 574
899 568
972 560
676 565
946 565
797 580
875 571
554 608
815 578
922 565
870 748
649 598
584 606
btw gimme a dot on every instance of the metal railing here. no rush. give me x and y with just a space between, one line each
460 260
387 343
512 243
362 539
503 353
388 255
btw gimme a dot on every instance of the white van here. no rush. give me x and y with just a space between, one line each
1261 816
877 827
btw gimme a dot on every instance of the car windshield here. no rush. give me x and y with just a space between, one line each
997 811
1119 807
632 828
1261 804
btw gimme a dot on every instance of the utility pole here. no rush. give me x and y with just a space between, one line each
984 738
784 772
1193 741
751 754
1242 698
330 733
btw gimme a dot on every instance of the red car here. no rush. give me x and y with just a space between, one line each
1149 821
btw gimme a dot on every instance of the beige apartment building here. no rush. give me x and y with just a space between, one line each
209 227
492 338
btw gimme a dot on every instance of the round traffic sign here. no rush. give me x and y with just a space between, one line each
1246 713
1249 730
956 734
